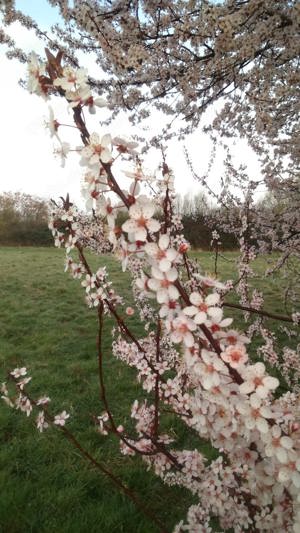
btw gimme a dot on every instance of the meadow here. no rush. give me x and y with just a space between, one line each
45 485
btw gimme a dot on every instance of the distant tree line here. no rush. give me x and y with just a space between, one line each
23 220
199 219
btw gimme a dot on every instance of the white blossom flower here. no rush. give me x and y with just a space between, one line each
36 73
255 413
24 404
89 282
233 337
96 150
142 284
180 330
255 379
18 372
141 220
277 444
125 146
61 418
105 209
41 423
137 175
79 96
91 102
62 152
21 384
44 400
161 252
216 325
209 369
163 284
71 78
291 471
52 124
102 419
204 306
7 400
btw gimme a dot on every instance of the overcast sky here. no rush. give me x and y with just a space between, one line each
27 163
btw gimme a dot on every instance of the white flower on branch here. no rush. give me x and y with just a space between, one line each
125 146
277 444
62 152
255 413
79 96
24 404
163 284
161 253
181 330
18 372
61 418
71 78
96 150
256 379
89 282
52 124
36 76
41 422
210 369
204 307
141 221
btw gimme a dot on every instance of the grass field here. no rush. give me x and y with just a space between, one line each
45 325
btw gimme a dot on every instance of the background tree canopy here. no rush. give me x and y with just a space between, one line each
23 220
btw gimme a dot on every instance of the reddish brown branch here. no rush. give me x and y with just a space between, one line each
261 312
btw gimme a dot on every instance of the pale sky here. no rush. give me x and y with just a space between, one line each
27 162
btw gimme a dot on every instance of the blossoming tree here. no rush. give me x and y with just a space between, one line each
190 359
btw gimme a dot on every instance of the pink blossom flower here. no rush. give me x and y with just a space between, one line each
233 337
235 355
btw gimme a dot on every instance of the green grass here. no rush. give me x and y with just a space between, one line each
45 325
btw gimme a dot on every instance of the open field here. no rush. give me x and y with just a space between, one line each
45 325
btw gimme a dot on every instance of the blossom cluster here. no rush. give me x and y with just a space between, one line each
192 361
